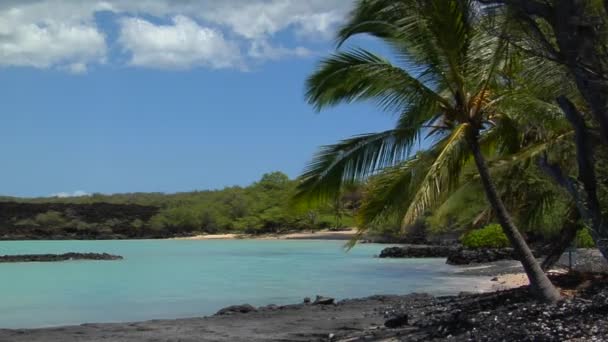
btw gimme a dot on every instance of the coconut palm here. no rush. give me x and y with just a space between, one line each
513 149
574 36
444 84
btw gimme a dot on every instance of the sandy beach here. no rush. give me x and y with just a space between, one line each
318 235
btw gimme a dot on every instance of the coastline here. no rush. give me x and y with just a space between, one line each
268 323
271 322
318 235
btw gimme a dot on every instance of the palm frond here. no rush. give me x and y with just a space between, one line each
361 75
434 35
441 176
391 190
527 155
350 160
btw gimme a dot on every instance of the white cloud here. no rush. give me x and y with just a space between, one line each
77 193
183 44
256 19
248 18
319 24
205 33
42 42
77 68
262 50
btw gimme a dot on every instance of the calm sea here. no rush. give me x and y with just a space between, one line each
180 278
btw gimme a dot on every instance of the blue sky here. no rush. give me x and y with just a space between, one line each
158 95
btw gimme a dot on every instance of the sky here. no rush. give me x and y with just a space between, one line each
122 96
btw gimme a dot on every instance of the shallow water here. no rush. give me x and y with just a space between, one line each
184 278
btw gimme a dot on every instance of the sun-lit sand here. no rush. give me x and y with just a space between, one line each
509 281
319 235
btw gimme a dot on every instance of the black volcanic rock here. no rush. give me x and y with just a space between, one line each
397 321
244 308
320 300
58 257
479 256
91 212
415 251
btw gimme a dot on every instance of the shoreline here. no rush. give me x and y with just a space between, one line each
266 323
270 322
342 235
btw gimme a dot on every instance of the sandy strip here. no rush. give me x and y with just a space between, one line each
210 237
320 235
509 281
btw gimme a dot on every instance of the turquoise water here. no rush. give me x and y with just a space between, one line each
184 278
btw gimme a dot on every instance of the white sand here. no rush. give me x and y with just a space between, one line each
320 235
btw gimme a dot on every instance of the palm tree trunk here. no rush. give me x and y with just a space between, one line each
539 283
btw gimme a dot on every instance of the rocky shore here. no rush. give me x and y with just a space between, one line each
58 257
510 315
455 255
418 251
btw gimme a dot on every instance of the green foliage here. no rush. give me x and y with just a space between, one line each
27 223
262 207
50 219
491 236
460 211
584 239
450 79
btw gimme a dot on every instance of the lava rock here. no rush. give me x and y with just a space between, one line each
58 257
478 256
320 300
245 308
396 321
415 251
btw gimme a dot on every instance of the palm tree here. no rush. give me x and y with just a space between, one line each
574 36
513 146
447 87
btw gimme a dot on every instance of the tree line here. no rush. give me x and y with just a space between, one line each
260 208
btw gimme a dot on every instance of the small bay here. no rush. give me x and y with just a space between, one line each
165 279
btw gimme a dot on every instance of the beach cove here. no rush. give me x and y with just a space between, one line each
168 279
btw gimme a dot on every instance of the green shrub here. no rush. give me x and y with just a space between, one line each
50 219
584 239
491 236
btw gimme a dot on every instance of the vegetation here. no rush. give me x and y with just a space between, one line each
262 207
491 236
452 83
584 239
572 37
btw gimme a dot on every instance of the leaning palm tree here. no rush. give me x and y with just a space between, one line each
447 88
513 148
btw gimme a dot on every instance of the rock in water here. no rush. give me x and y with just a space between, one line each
306 300
245 308
479 256
58 257
397 321
320 300
415 251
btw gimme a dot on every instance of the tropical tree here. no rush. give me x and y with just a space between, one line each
573 35
445 84
513 146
